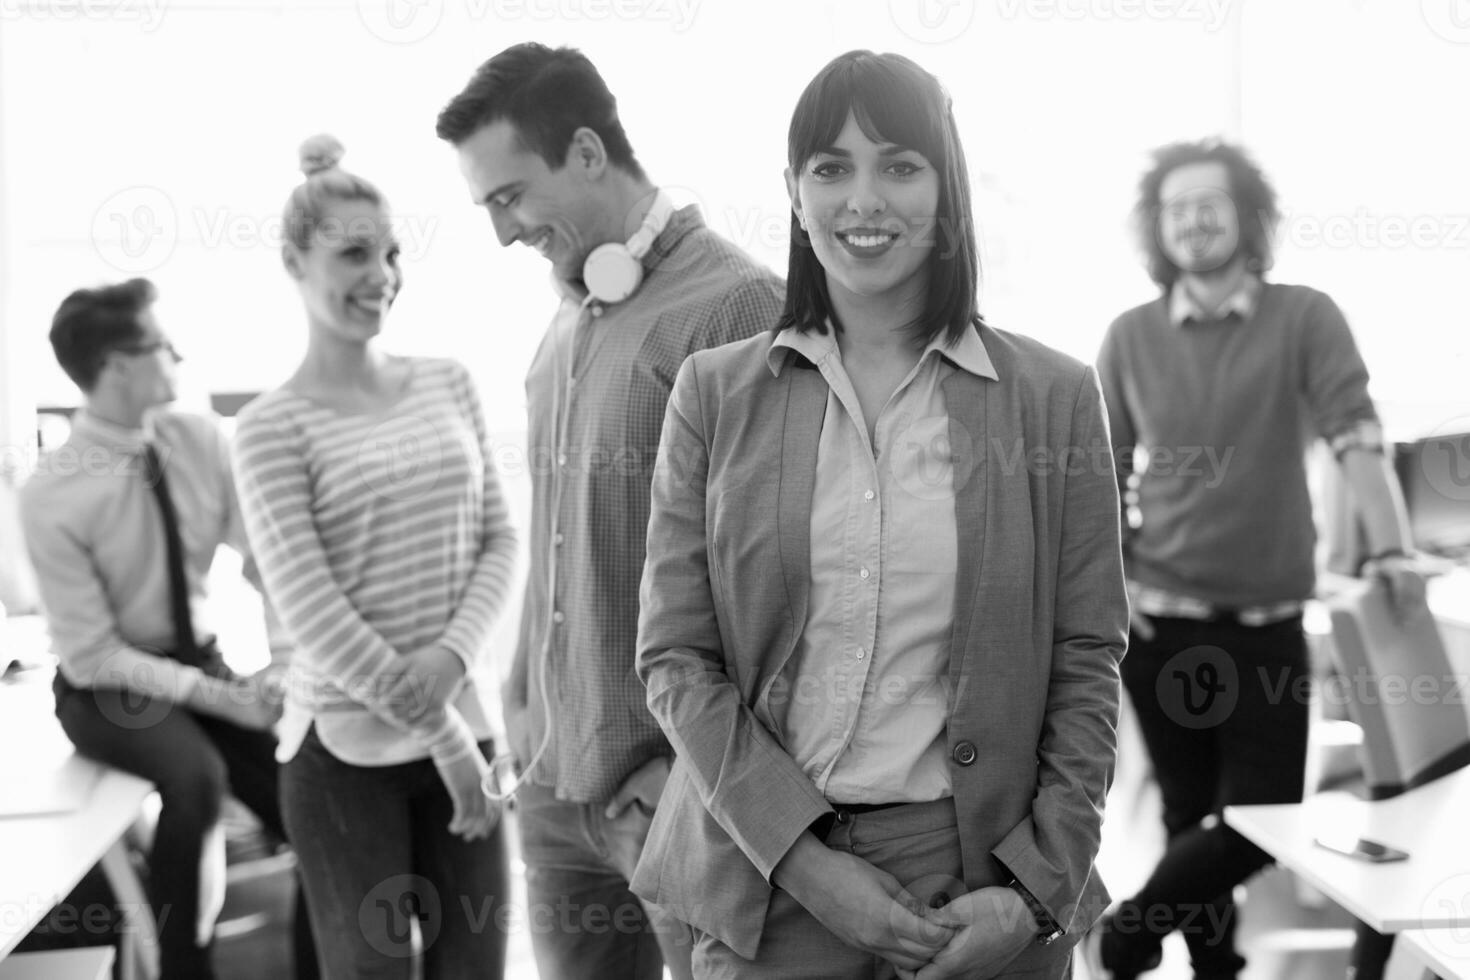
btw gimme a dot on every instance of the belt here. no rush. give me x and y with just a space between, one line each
1154 601
865 807
842 813
1252 617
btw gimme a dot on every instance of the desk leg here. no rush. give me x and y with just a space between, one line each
138 953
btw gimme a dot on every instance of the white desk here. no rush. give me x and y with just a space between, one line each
43 857
1445 951
1430 890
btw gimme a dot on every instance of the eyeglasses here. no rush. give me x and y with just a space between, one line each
152 347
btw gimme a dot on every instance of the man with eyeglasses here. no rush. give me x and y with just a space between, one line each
122 523
1224 381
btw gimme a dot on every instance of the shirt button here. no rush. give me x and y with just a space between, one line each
964 753
869 495
558 617
862 573
861 653
558 538
597 309
561 459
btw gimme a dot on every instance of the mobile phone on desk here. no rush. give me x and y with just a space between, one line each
1361 848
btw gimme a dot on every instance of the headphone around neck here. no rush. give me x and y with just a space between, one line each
613 272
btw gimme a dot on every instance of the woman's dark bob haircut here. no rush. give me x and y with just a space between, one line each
894 101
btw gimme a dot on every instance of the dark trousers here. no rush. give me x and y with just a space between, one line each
193 760
376 854
1224 710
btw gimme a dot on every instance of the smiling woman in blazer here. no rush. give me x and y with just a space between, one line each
883 604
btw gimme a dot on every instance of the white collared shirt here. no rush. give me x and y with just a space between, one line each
1241 302
95 536
864 700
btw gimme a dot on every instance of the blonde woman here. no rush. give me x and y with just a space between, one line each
385 544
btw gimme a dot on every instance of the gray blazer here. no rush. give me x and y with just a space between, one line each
1040 625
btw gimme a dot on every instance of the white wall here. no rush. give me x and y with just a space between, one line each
167 149
158 137
17 418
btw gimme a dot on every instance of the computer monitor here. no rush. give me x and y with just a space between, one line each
1435 475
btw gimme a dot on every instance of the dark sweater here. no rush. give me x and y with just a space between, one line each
1226 411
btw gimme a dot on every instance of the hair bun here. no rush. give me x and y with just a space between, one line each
321 152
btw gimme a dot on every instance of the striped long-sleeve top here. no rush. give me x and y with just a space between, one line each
376 535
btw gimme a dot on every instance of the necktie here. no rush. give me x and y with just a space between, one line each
184 650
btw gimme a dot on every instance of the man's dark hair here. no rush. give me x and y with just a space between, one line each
1250 192
92 322
547 94
894 101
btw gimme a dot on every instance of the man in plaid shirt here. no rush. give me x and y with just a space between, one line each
543 150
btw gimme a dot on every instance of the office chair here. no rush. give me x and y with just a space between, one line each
1409 739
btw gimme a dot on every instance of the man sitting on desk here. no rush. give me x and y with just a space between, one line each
1224 380
122 523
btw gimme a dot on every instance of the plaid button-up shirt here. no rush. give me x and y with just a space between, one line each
596 393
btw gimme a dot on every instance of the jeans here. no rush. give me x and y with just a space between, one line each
1223 709
376 856
192 759
584 921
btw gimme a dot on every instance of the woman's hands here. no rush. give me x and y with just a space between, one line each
861 905
424 682
974 936
463 768
419 699
992 927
